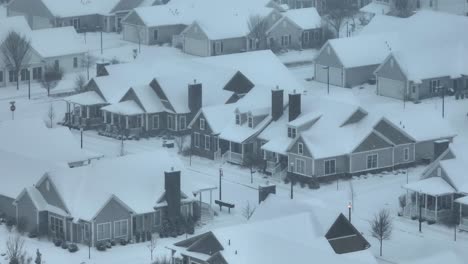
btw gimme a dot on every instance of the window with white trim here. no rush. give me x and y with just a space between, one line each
37 73
300 166
120 228
196 140
202 124
285 40
1 76
182 123
330 166
155 122
56 225
291 132
170 122
372 161
157 218
300 148
250 121
306 36
207 142
103 231
435 84
238 119
406 155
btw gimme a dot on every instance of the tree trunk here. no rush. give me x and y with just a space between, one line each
48 91
380 247
17 80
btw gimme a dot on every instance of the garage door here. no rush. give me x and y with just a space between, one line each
199 47
336 75
130 33
390 88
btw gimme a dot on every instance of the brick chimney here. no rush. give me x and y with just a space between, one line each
294 105
195 96
440 146
264 191
101 69
276 103
172 188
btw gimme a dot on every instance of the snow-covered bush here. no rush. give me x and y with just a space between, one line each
101 246
10 222
72 248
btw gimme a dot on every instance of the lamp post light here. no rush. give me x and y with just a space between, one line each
292 180
328 77
100 29
442 90
220 176
12 109
81 133
350 206
29 84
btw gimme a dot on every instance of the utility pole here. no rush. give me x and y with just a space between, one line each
328 77
420 213
81 132
220 176
349 211
292 181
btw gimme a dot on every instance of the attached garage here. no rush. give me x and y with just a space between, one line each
130 33
390 88
199 47
336 75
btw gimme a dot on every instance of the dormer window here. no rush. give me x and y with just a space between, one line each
300 148
250 121
238 119
291 132
202 124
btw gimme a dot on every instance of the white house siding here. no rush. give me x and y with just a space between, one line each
66 62
342 165
335 78
358 161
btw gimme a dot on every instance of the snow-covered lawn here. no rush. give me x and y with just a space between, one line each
298 56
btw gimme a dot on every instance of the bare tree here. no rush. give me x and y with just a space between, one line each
80 83
15 251
152 245
258 27
381 227
352 193
87 62
163 260
51 115
16 53
337 12
52 76
248 210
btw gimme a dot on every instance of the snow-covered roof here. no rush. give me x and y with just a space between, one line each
31 138
40 203
169 14
364 50
136 180
263 68
462 200
148 98
306 18
381 24
127 108
436 258
217 116
44 41
376 8
23 171
86 98
15 23
435 186
69 8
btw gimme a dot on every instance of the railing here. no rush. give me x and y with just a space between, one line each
207 212
235 157
412 210
272 166
217 155
464 224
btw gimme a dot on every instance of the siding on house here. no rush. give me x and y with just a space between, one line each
66 62
6 206
230 45
372 142
391 133
399 153
359 75
31 9
27 211
424 89
315 38
358 161
111 212
165 33
50 195
201 150
341 163
285 28
424 150
328 59
306 156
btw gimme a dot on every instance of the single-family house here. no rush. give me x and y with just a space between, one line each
283 238
138 195
295 4
441 192
105 15
32 139
362 142
382 7
19 171
296 28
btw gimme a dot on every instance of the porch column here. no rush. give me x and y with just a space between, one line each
126 122
112 118
146 121
87 112
436 208
230 150
105 117
81 111
242 151
142 123
425 204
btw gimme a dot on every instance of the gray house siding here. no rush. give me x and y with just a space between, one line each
6 206
387 71
328 59
359 75
28 212
229 46
50 194
165 33
399 153
293 155
372 142
201 150
341 163
425 150
285 28
358 161
111 212
424 89
33 10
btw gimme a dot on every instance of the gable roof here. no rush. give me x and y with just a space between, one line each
344 237
136 180
217 116
305 18
44 42
68 8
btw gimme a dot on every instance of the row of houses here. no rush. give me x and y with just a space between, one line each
44 51
214 28
384 7
408 60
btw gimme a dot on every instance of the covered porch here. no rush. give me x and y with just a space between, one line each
463 209
124 119
83 110
238 153
431 198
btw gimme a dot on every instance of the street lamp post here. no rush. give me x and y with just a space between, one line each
328 78
442 90
29 84
100 29
292 181
350 206
81 133
12 109
220 176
